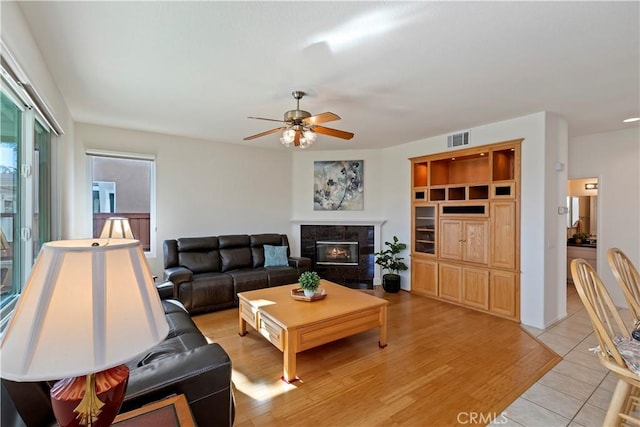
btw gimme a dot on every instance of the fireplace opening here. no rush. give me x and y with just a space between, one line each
336 253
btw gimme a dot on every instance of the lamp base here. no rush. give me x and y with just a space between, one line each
74 406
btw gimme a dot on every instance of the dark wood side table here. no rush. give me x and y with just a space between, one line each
171 412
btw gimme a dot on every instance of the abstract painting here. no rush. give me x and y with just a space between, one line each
338 185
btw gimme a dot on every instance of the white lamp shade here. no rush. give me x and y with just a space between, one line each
84 309
116 228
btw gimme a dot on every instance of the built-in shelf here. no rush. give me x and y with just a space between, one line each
465 228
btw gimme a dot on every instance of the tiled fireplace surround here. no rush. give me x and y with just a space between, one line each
366 233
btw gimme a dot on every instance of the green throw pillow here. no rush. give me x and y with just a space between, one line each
275 256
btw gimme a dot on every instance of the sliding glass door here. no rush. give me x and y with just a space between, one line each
25 194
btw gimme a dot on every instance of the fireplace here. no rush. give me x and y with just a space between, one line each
336 253
340 253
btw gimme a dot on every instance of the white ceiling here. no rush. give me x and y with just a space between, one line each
394 71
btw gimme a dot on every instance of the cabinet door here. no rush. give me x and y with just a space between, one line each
451 239
504 295
503 235
450 277
424 229
475 287
476 241
424 278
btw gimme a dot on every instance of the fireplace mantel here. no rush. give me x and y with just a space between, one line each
374 222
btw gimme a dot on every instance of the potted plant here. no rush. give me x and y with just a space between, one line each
389 260
579 237
309 282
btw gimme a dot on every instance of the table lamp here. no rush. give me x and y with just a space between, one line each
88 307
116 228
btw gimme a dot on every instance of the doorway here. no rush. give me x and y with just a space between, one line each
582 234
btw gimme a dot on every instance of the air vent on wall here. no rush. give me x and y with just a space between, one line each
458 139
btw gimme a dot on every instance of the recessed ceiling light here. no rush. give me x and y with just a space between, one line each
631 120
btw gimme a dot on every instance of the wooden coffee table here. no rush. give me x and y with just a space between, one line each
294 326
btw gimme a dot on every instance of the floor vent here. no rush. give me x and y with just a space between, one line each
458 139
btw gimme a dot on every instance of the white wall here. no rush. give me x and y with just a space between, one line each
614 158
387 196
202 188
555 282
17 37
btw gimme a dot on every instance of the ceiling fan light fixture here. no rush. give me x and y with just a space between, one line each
310 135
288 136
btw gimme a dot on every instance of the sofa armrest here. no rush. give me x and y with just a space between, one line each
301 263
165 289
177 275
202 374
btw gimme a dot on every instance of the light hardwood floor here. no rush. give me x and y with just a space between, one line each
444 365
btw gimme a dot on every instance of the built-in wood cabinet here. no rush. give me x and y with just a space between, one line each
450 282
505 293
504 250
465 236
475 287
426 276
465 240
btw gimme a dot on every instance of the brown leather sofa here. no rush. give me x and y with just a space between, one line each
208 272
184 363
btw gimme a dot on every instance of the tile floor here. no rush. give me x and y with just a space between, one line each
577 391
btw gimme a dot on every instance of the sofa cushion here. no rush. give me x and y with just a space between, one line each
207 292
199 254
235 252
198 244
200 262
275 256
172 346
248 279
257 246
282 275
236 258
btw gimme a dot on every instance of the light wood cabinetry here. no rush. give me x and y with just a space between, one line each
505 294
464 240
450 282
504 251
465 244
425 273
475 287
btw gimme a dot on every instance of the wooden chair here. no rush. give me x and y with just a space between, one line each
607 324
628 278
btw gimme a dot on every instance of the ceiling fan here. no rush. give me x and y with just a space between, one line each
300 127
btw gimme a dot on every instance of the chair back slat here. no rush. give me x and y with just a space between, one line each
628 278
603 313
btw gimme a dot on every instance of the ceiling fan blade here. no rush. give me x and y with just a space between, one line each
296 140
262 118
333 132
321 118
269 132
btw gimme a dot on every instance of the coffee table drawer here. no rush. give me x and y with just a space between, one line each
249 313
271 331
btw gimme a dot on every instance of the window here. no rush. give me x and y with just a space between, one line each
123 184
25 194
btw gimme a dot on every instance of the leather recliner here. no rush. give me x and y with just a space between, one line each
184 363
208 272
